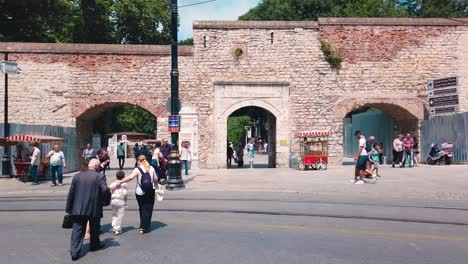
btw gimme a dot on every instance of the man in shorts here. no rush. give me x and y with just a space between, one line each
361 158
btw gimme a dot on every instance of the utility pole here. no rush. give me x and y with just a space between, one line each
174 180
6 163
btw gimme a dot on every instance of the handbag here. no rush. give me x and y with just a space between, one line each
67 222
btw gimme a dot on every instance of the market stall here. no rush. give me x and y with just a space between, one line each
22 155
313 150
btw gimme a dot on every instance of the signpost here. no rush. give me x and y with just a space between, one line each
174 124
8 67
443 96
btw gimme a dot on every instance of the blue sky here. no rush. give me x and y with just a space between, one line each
219 10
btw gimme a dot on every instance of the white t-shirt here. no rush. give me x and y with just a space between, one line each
184 154
56 158
156 153
37 154
119 196
152 172
362 143
398 145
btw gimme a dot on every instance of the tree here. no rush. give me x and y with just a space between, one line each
443 8
142 21
93 23
236 128
188 42
134 118
85 21
36 20
126 119
289 10
374 8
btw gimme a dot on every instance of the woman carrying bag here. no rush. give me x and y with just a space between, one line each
145 191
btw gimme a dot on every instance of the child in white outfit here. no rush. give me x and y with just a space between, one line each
119 203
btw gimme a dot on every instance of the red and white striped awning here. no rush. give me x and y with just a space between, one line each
151 141
313 133
31 138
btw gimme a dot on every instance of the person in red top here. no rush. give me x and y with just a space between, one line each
408 144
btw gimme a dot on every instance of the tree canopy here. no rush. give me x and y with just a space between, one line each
291 10
126 119
235 128
85 21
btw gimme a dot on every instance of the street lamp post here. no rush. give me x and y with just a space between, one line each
6 164
174 180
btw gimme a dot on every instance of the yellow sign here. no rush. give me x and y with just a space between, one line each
283 142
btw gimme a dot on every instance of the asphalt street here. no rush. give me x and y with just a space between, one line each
260 216
217 227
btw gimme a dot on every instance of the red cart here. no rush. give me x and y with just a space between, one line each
313 150
22 164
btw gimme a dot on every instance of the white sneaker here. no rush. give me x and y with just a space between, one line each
359 182
352 181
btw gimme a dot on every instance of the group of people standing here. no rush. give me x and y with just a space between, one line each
405 150
55 160
158 155
369 156
238 155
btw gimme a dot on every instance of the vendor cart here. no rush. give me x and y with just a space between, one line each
313 150
22 160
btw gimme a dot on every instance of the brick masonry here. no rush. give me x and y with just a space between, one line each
387 63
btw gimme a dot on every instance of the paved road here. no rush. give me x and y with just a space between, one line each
215 227
261 216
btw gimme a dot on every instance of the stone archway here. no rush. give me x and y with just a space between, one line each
405 113
232 96
86 110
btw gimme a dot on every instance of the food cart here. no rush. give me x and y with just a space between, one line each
22 158
313 150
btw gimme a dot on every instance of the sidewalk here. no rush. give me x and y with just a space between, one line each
425 182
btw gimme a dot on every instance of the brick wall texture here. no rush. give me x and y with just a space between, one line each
386 66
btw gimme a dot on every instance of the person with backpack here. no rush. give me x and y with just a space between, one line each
145 191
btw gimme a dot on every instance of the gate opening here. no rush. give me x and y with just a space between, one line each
249 127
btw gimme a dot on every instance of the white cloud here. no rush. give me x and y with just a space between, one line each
219 10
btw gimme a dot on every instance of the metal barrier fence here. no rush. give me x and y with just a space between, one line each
452 128
371 123
68 133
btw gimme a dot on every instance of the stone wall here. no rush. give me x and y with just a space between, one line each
387 63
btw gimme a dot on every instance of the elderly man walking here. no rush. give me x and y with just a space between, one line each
87 195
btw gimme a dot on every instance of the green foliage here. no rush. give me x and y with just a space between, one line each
93 22
85 21
187 42
374 8
142 21
443 8
290 10
36 20
332 56
126 119
236 130
135 119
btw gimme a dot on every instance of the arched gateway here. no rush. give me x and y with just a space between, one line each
270 96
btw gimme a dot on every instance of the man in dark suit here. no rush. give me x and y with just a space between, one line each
87 195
